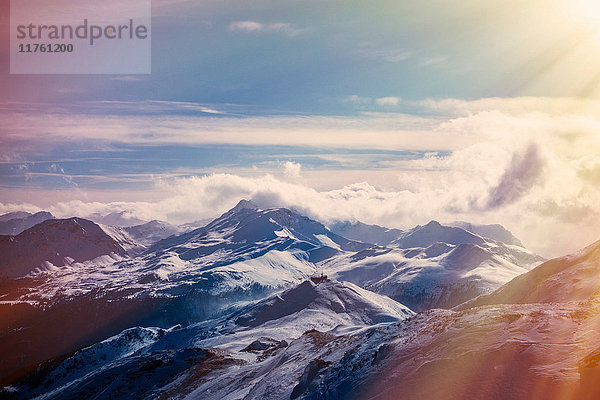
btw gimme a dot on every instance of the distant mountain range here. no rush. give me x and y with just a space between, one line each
227 310
17 222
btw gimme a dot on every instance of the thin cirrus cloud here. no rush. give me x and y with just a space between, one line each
255 27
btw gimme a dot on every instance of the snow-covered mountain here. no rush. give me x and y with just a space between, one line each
56 242
366 233
433 266
533 351
153 231
493 231
246 232
245 255
283 332
314 342
121 219
575 277
16 222
434 232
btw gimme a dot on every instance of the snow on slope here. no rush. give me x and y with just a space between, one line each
246 231
57 241
441 275
434 232
153 231
17 222
243 347
571 278
246 254
493 231
348 305
119 219
362 232
523 352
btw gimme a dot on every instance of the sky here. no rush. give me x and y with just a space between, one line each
388 112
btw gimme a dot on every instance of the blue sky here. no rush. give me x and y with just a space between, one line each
308 56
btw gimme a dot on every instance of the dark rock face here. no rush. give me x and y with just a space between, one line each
54 240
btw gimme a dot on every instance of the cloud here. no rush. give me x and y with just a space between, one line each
129 78
291 169
246 26
524 171
531 165
374 51
254 27
187 124
356 99
588 168
388 101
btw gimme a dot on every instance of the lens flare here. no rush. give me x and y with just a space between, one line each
588 11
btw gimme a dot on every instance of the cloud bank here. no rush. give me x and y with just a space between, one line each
531 165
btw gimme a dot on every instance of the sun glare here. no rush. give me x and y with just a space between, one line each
588 11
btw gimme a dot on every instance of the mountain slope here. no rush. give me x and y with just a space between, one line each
434 232
151 232
493 231
202 360
366 233
54 242
524 352
447 266
15 223
572 278
247 232
14 215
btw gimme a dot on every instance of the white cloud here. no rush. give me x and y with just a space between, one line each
356 99
254 26
291 169
246 26
388 101
529 164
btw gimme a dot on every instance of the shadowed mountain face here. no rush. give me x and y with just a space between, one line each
54 241
202 360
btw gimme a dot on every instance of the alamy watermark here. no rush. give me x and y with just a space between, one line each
80 37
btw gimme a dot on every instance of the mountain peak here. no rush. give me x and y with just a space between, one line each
53 241
15 223
243 205
432 224
342 299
